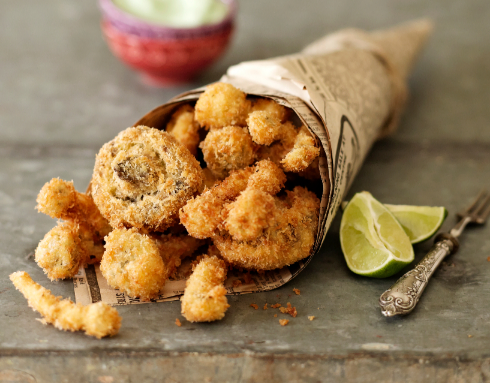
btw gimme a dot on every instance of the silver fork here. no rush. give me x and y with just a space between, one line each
401 298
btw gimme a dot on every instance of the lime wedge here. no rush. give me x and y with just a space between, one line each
419 222
373 241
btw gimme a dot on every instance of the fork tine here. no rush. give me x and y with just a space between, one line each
481 204
483 211
476 202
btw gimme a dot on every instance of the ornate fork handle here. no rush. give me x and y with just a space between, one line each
402 297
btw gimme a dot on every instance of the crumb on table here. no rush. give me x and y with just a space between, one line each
289 310
276 305
297 291
256 307
177 322
265 306
283 322
311 317
275 315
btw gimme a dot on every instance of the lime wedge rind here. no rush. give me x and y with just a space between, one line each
419 222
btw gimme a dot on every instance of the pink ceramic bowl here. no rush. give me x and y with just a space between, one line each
165 56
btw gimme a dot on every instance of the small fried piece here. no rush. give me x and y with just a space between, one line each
97 319
79 240
264 127
287 238
227 149
139 264
222 105
60 252
303 153
250 214
295 149
143 177
283 322
202 215
272 108
185 128
204 297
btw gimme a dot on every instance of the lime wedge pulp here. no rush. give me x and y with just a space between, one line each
419 222
373 241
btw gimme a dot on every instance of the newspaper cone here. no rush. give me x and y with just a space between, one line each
348 88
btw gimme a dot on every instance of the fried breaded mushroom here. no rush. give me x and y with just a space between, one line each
185 128
97 319
264 127
78 240
303 153
252 211
288 237
139 264
222 105
294 151
227 149
272 108
249 214
143 177
59 199
204 297
60 252
202 215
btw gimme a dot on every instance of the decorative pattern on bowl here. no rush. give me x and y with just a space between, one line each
167 61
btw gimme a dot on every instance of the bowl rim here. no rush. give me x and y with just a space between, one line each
116 15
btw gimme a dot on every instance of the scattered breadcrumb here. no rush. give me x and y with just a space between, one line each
283 322
311 317
276 305
256 307
470 336
265 306
297 291
237 283
177 322
275 315
289 310
488 259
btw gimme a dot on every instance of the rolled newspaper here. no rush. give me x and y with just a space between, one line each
348 88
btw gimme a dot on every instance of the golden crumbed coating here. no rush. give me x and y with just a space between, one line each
60 252
267 177
79 240
227 149
185 128
288 238
222 105
204 297
202 215
303 153
279 149
97 319
57 198
295 150
139 264
271 107
264 128
250 214
143 177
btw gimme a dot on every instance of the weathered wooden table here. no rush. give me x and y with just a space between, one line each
63 95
